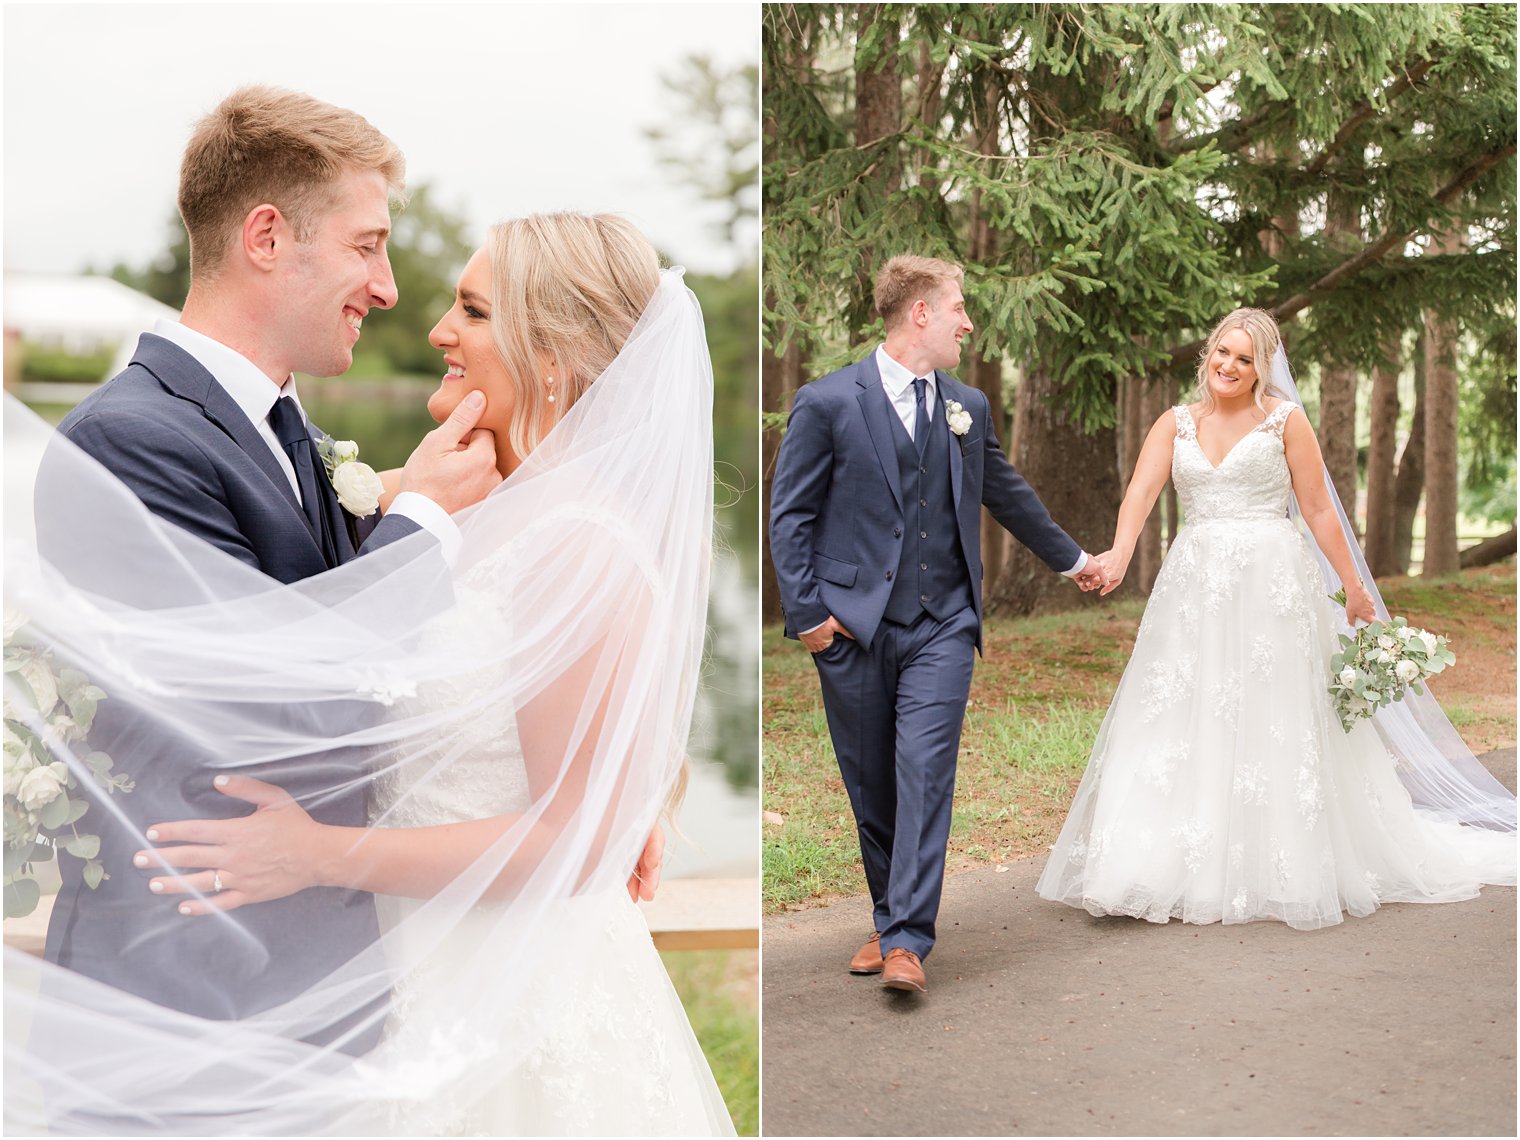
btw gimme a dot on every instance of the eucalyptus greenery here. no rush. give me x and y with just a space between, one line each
48 712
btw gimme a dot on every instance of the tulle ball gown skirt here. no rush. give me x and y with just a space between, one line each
1222 788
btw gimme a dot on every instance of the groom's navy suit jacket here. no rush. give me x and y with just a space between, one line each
174 436
837 516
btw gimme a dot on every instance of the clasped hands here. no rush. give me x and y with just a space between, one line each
1096 575
278 850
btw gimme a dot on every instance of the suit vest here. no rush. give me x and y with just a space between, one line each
931 573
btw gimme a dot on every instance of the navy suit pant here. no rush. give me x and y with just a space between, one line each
895 713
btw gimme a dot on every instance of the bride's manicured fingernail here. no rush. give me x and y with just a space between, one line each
156 886
153 834
139 860
184 908
220 781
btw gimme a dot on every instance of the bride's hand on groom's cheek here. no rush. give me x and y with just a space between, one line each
275 852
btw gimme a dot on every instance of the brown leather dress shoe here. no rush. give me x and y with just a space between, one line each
867 959
902 970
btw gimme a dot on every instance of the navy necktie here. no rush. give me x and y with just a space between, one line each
290 429
921 417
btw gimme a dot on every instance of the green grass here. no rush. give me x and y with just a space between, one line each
1038 698
719 989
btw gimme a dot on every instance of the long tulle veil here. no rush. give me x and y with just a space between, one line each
601 542
1440 772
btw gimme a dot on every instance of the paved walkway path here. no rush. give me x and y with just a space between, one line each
1042 1020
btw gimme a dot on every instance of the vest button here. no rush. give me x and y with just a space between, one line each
923 502
897 532
923 597
923 534
923 566
923 471
889 575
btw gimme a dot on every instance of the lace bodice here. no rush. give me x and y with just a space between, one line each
1251 482
475 773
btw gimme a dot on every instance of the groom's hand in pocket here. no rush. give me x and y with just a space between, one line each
455 464
817 640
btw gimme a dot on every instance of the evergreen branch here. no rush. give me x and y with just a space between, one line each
1365 111
1234 133
1368 255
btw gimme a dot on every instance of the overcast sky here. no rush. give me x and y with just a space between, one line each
505 109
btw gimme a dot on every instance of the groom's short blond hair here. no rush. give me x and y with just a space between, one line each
907 278
268 145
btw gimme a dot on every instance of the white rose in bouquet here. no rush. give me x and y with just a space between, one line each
1406 671
1429 639
358 488
17 765
1348 676
1385 642
41 785
345 449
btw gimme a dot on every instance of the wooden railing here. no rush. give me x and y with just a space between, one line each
686 914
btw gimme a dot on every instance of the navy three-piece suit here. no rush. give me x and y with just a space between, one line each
174 436
885 536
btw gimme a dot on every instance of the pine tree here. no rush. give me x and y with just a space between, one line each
1116 177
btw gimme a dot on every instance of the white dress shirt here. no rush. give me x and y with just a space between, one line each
897 380
255 395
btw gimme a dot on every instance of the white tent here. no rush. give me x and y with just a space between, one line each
80 315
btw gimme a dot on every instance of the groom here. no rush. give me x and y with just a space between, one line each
875 535
287 203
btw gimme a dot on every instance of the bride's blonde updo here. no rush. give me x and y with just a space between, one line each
1265 336
570 285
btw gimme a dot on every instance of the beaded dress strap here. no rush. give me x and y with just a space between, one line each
1186 429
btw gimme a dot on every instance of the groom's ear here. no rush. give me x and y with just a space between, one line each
265 235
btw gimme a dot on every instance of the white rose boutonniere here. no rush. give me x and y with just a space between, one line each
357 485
958 417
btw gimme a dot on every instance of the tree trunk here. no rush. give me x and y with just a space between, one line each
1409 483
1441 555
1490 550
1076 476
1380 460
1337 386
878 114
981 249
780 377
1140 403
878 87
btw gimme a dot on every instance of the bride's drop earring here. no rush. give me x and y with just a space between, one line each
549 380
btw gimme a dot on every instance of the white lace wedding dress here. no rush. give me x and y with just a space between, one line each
598 1042
1221 787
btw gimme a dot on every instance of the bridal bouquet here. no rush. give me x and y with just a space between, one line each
1383 659
43 800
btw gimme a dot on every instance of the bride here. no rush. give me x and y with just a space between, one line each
1221 786
521 721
